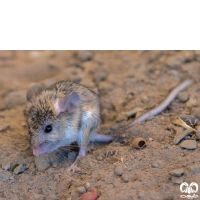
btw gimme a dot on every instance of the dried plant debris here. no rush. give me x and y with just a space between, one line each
133 112
180 135
179 122
190 120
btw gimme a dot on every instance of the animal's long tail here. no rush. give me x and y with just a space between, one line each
172 95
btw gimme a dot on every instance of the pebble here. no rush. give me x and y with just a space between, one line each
177 172
14 99
31 183
81 190
19 169
155 165
100 75
189 144
4 127
6 166
51 172
71 156
180 135
174 73
85 55
145 99
119 170
41 163
177 180
183 96
5 175
125 178
87 186
99 158
115 127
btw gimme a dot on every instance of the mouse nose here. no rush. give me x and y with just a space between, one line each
36 152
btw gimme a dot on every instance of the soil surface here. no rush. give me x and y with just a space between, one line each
124 80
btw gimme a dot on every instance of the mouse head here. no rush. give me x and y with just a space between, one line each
52 119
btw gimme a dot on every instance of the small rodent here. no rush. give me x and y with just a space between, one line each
64 113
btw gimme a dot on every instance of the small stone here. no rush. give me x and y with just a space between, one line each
41 163
183 96
119 170
100 75
198 145
189 144
155 165
6 166
87 186
180 135
145 99
177 180
81 190
4 127
99 158
85 55
177 172
31 183
125 178
5 175
174 73
51 172
19 169
71 156
115 127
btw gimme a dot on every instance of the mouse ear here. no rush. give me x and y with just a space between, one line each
68 103
33 91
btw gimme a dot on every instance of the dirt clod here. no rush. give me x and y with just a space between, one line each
119 170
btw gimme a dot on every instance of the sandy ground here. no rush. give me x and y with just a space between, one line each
124 80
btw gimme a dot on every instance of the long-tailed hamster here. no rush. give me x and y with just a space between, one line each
64 113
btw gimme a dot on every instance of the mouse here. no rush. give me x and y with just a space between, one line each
64 113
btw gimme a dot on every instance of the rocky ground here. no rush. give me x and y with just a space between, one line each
124 80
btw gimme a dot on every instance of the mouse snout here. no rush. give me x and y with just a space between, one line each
36 152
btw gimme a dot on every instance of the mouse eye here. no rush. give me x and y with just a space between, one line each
48 129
